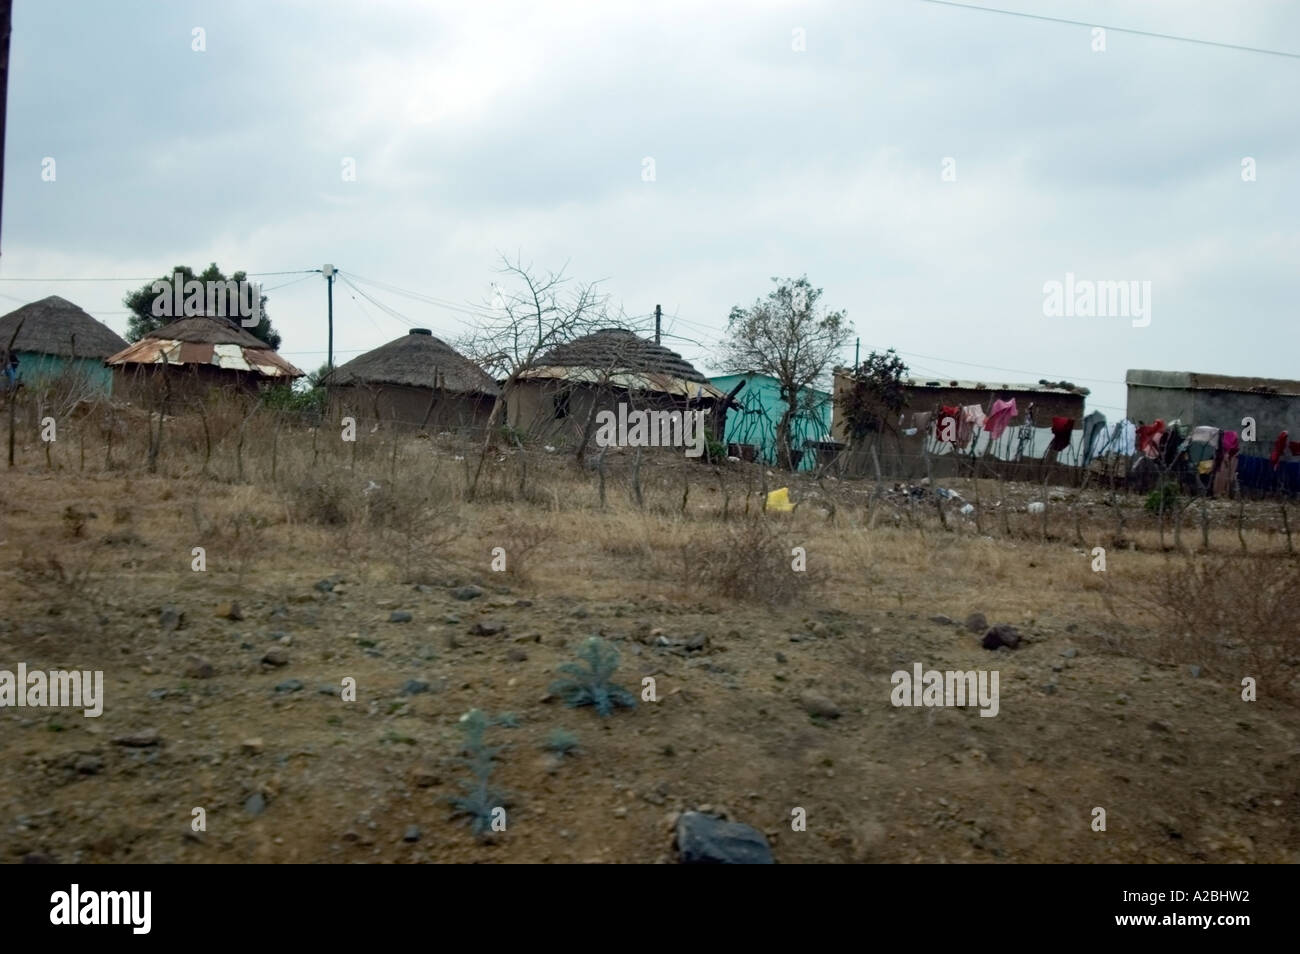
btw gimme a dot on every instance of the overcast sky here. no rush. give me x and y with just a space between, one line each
485 127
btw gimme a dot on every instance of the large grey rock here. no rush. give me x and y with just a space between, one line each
1003 634
708 840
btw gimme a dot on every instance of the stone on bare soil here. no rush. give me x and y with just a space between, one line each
941 620
229 611
275 657
400 616
412 833
89 765
196 667
1003 634
414 687
487 628
470 592
252 746
697 643
516 655
139 740
818 705
289 685
255 804
170 619
706 840
976 623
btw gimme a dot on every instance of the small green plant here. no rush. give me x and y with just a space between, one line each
590 685
561 742
1163 498
480 800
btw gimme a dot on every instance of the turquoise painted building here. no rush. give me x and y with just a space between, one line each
756 420
57 342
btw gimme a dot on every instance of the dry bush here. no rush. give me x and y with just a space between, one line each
748 560
1235 615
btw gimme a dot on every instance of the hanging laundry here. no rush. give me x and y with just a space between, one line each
1225 476
1062 428
972 421
921 420
1000 416
1124 440
1094 427
1230 443
1204 435
1147 436
1278 446
1295 448
946 428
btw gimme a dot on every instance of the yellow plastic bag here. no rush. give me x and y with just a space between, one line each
779 500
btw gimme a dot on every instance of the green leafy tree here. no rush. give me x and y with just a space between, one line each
786 336
876 396
140 302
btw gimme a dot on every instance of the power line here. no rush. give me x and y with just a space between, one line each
149 278
1082 23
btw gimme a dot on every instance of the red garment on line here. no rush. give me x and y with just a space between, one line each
1062 428
1279 445
1146 437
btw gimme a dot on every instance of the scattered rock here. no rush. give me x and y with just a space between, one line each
252 746
325 586
976 623
487 628
196 667
528 638
516 655
229 611
412 833
415 687
1070 653
275 657
707 840
697 643
1003 634
139 740
1195 671
451 618
89 765
941 620
170 619
819 705
289 685
780 657
1155 725
400 616
470 592
255 804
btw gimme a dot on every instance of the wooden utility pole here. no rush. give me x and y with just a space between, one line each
6 23
659 314
328 272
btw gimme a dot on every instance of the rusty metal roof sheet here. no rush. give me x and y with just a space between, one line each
228 357
632 380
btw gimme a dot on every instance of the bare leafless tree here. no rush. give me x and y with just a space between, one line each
529 313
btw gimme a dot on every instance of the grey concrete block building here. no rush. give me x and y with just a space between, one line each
1216 400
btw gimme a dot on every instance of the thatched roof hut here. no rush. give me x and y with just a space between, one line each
416 380
56 338
560 394
211 350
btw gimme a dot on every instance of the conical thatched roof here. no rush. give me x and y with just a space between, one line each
206 340
622 358
55 325
417 360
617 349
204 329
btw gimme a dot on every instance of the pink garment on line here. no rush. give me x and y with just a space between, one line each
1230 445
1000 416
972 419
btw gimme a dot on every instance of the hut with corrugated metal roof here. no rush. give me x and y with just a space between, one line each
418 381
58 341
561 394
196 354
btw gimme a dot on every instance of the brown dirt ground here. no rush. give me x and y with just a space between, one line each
1185 769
